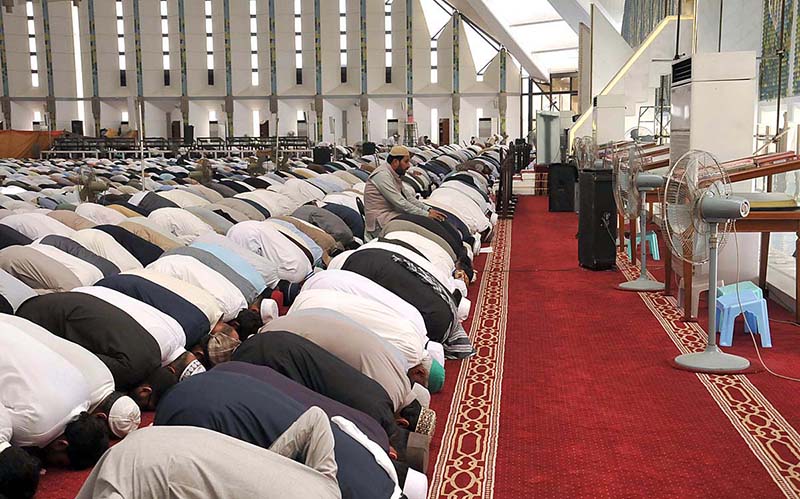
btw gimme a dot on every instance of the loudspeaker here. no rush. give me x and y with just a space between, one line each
188 134
561 186
77 127
597 221
175 127
368 148
322 155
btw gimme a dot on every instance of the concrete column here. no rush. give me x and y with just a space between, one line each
93 57
48 58
226 15
137 43
364 99
317 72
409 60
5 103
456 86
502 98
182 48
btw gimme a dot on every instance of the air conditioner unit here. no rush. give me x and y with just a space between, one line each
712 109
712 104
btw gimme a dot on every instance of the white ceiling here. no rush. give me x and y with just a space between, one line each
540 33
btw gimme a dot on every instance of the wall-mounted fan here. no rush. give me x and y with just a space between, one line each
631 186
697 200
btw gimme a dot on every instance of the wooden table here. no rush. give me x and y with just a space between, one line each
764 222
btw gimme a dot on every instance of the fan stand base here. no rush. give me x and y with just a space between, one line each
713 359
642 284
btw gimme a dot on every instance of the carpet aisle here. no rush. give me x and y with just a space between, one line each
590 405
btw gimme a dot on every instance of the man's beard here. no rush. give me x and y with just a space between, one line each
401 172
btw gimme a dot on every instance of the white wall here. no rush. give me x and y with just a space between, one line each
609 51
163 100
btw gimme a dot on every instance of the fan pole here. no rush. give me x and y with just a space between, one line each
643 283
712 359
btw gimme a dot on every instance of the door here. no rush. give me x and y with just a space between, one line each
444 131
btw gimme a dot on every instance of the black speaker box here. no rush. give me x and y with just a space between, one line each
368 148
188 134
175 130
77 127
597 220
322 155
561 187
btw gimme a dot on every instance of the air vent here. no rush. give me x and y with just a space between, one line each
682 71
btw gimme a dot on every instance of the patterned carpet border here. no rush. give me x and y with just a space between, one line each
770 437
466 461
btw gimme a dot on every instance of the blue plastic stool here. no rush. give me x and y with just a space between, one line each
741 287
652 242
755 313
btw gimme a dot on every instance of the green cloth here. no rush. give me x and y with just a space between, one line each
435 377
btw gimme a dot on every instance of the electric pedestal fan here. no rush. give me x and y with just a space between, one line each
640 135
697 200
585 152
631 186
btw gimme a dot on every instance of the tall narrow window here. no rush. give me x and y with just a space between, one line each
32 44
434 61
164 10
387 10
343 39
298 42
209 42
256 123
76 50
123 80
253 44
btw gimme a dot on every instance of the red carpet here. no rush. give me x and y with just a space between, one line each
65 484
591 406
572 394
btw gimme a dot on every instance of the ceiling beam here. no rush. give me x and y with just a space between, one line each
572 12
536 23
481 15
547 51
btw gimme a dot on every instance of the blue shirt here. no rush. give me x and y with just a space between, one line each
236 262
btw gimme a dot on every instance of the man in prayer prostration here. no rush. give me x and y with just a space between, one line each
48 401
242 407
135 356
187 462
120 412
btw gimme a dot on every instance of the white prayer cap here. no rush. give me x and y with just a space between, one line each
194 367
463 309
269 310
416 486
124 416
421 395
436 350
